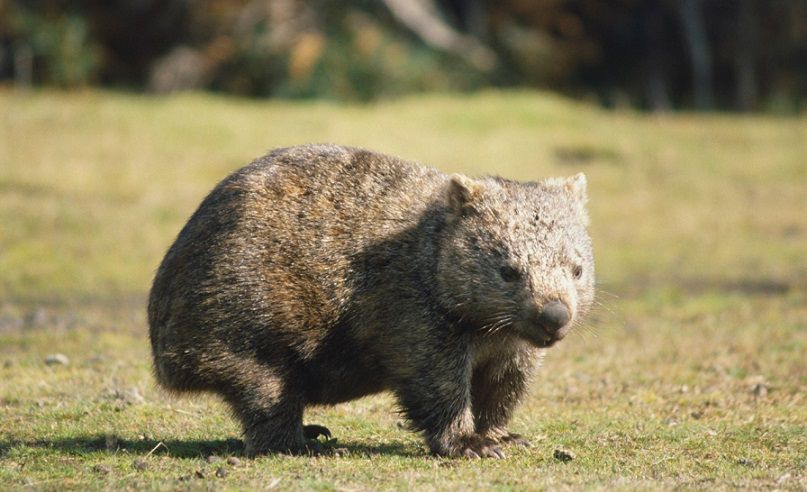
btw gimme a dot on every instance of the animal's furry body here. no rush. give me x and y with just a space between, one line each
320 274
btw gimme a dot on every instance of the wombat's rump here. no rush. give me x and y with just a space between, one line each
319 274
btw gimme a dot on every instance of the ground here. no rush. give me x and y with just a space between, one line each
691 372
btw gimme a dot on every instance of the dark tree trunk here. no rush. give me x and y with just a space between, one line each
471 16
655 54
23 65
745 56
699 52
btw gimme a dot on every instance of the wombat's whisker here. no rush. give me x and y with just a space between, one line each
587 329
498 323
602 306
601 292
582 334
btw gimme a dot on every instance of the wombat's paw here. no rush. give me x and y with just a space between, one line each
258 446
475 447
514 440
252 448
314 431
310 449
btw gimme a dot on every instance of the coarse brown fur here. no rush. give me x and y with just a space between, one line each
319 274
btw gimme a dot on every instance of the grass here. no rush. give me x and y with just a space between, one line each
692 375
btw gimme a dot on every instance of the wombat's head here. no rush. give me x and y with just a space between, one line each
517 257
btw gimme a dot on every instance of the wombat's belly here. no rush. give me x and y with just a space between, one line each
341 386
341 370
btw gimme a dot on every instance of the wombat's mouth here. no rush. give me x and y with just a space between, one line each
547 343
541 337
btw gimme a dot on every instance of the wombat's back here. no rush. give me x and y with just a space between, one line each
264 263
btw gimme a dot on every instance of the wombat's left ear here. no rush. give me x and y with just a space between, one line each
577 186
462 193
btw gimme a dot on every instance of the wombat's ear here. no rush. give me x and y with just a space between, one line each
462 192
576 185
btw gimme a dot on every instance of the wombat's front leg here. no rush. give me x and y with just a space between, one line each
437 399
496 388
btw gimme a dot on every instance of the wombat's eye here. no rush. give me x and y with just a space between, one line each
509 274
577 271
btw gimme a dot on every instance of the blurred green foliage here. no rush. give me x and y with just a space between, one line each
655 54
62 45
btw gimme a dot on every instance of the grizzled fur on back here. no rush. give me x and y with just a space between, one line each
319 274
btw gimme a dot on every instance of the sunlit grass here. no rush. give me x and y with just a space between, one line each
692 373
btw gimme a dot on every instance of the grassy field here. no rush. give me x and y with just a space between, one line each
693 372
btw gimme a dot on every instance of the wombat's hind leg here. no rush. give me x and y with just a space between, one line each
272 428
271 415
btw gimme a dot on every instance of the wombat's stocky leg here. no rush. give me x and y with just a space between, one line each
496 388
270 413
276 428
437 400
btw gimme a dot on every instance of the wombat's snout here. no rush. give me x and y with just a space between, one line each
549 324
554 316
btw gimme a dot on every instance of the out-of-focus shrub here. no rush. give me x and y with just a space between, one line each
656 54
363 61
63 51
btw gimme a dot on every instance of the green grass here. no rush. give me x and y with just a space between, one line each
692 373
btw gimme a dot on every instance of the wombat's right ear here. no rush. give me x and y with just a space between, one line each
576 185
462 192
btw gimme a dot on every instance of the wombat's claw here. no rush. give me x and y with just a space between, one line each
515 439
314 431
481 448
484 452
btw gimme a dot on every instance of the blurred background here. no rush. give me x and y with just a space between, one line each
657 55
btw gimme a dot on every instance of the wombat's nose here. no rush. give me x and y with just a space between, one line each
554 316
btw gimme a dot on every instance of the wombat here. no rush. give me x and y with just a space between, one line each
320 274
